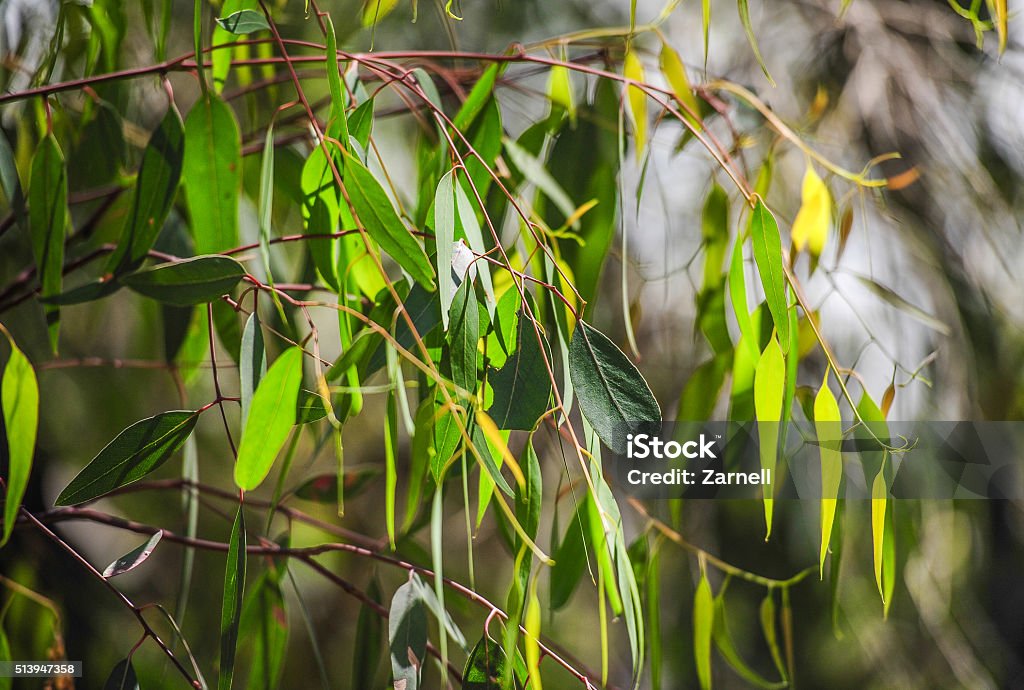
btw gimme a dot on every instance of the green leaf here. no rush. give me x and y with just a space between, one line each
374 209
477 98
444 235
231 607
535 172
183 283
5 655
361 123
271 418
407 635
903 305
703 626
252 364
828 428
264 622
723 640
522 388
748 28
613 396
463 337
135 452
244 22
48 219
570 557
19 394
487 461
471 228
223 36
879 499
486 667
133 558
310 407
767 615
122 677
366 651
155 189
531 642
213 173
768 257
769 387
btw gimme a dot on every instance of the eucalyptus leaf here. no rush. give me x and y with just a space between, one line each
231 602
122 677
764 232
19 395
407 636
48 220
133 558
244 22
184 283
212 171
522 388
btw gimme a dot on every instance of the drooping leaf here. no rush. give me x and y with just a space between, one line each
122 677
810 228
828 428
767 616
463 336
703 626
183 283
748 28
133 558
486 667
675 73
633 70
879 499
407 635
769 387
135 452
768 257
264 623
570 557
231 606
48 219
534 171
471 228
531 622
271 418
244 22
897 302
478 98
212 172
613 396
155 189
19 395
725 645
375 10
444 234
522 388
382 223
480 442
252 364
560 90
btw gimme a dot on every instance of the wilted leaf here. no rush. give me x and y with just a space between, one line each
828 428
135 452
183 283
133 558
122 677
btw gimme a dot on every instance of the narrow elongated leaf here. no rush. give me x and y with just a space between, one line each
534 171
155 189
444 234
768 257
407 634
633 70
135 452
613 396
19 395
213 173
5 655
531 621
366 652
522 388
810 228
560 90
703 626
197 280
48 219
570 557
675 73
748 28
828 427
231 607
134 558
463 336
122 677
377 214
769 387
244 22
252 365
271 418
487 461
471 228
897 302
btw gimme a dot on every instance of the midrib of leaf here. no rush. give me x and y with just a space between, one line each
600 372
773 283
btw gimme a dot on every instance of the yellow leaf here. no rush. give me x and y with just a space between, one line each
560 90
828 427
532 641
633 69
878 500
675 73
769 387
375 10
810 229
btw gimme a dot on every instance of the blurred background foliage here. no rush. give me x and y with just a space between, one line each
877 77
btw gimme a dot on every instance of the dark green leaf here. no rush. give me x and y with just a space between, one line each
485 667
407 635
477 98
310 407
231 606
264 622
361 123
122 677
155 189
522 388
213 173
463 336
444 236
133 558
366 651
487 459
19 394
744 8
374 208
271 418
252 365
244 22
723 640
764 232
48 219
570 557
613 395
134 453
183 283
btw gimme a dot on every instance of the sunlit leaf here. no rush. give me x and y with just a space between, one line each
270 420
613 396
703 626
768 257
769 385
675 73
135 452
633 70
560 90
19 395
48 220
183 283
810 229
444 234
231 606
879 499
133 558
374 11
828 428
486 667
